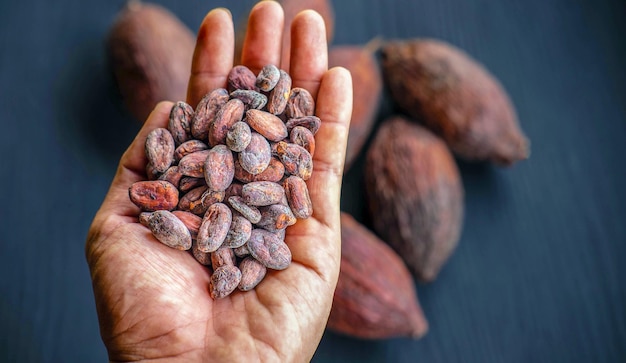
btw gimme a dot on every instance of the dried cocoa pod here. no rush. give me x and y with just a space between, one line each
224 280
153 195
241 77
252 272
267 78
223 256
169 230
179 124
456 97
188 147
214 227
300 103
249 212
312 123
262 193
188 182
277 100
149 50
206 111
267 124
269 250
295 158
250 98
256 157
192 201
241 251
226 117
239 232
190 220
193 164
367 87
375 296
219 168
276 216
239 136
415 195
172 175
302 136
160 149
274 172
204 258
298 198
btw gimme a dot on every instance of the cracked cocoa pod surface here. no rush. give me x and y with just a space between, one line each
456 97
415 195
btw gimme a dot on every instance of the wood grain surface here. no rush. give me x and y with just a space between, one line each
539 273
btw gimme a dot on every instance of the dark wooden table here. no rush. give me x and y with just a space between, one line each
539 275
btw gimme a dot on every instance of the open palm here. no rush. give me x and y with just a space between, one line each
153 301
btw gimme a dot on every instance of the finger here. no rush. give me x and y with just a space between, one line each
309 51
263 38
213 56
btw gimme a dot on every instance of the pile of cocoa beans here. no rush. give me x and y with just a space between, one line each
227 179
447 105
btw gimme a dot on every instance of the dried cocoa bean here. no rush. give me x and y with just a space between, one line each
295 158
188 147
302 136
456 97
172 175
169 230
151 172
188 182
415 195
276 216
241 77
153 195
226 117
267 78
274 172
210 197
238 137
262 193
252 272
249 212
190 220
312 123
203 258
299 104
375 296
192 201
251 99
269 250
160 149
179 124
193 164
233 190
206 111
214 227
241 251
267 124
239 232
224 280
223 256
256 157
277 100
219 168
298 198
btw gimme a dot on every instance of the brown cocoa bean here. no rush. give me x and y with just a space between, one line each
214 227
256 157
239 232
223 256
151 172
192 201
274 172
226 117
295 158
188 147
241 77
456 97
193 164
249 212
302 136
375 296
241 251
179 124
188 182
277 100
298 198
251 99
233 190
160 149
276 216
269 250
172 175
267 124
211 197
262 193
190 220
267 78
219 168
415 195
239 136
153 195
224 281
299 104
252 273
169 230
206 111
312 123
204 258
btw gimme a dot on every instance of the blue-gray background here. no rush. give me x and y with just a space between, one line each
539 273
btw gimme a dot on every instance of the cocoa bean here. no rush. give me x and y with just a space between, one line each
219 168
252 272
204 258
249 212
241 251
299 104
193 164
188 182
262 193
224 281
302 136
251 99
238 233
267 78
269 250
295 158
172 175
276 216
179 124
277 100
151 172
298 198
312 123
206 111
223 256
214 227
241 77
267 124
190 220
238 137
169 230
274 172
188 147
153 195
160 149
226 117
192 201
255 158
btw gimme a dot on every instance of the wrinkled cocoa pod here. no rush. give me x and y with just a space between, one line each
223 256
312 123
250 99
193 164
249 212
302 136
214 227
267 124
239 232
189 147
295 158
207 109
375 296
179 123
297 195
219 168
415 195
274 172
252 272
190 220
224 280
262 193
367 86
160 149
153 195
300 103
456 97
269 250
169 230
277 100
172 175
226 117
149 50
267 78
256 156
241 77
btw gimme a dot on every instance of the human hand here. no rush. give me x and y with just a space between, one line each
153 302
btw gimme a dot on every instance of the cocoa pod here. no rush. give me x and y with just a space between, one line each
149 51
169 230
224 280
252 272
367 86
219 168
160 149
267 124
225 118
456 97
415 195
269 250
179 123
257 155
207 109
278 97
214 227
153 195
375 296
